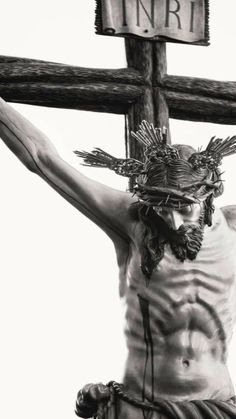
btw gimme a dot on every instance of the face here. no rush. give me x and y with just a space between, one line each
185 230
176 218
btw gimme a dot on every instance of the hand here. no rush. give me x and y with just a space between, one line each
88 399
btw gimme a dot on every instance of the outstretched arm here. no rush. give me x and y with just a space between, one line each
107 207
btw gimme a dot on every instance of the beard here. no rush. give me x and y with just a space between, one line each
186 242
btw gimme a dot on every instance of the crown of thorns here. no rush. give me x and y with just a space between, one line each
165 178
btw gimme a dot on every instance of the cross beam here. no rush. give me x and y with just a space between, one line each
62 86
144 90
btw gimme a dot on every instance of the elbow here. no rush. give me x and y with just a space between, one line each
46 163
37 161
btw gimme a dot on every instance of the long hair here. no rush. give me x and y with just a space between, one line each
153 240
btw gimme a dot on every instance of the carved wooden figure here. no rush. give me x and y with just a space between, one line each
175 250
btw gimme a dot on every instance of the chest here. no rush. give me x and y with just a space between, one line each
211 275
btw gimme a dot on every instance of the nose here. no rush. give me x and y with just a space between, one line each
176 220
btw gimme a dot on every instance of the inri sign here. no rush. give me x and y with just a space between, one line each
158 20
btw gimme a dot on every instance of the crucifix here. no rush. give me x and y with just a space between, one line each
177 335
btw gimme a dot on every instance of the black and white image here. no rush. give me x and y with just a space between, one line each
157 311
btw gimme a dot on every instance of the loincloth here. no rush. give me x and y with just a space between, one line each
115 407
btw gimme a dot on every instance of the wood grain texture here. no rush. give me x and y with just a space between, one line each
140 110
10 59
161 110
37 71
139 57
200 86
99 97
143 88
200 108
149 59
159 63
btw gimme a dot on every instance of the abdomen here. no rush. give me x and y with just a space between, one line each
178 328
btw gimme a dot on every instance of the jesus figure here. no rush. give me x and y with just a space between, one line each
177 265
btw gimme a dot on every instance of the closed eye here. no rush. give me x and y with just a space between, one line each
186 210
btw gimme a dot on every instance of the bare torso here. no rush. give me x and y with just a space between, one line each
179 326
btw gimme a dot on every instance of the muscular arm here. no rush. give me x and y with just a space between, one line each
107 207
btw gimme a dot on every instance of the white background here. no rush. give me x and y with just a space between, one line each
60 316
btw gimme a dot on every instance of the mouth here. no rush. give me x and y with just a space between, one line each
186 242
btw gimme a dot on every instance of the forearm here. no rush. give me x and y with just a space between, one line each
39 155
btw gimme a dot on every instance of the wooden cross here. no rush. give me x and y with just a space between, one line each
144 90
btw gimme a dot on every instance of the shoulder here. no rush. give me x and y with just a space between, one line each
230 215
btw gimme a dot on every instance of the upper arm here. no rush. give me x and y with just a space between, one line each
229 212
107 207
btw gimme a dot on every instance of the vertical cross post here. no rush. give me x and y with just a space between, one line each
149 58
